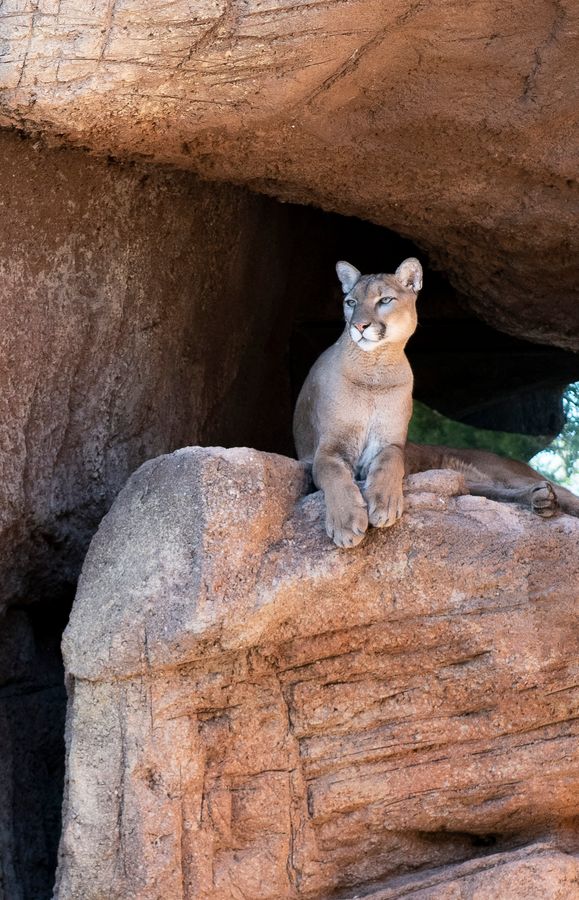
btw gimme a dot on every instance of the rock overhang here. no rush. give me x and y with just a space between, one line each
455 128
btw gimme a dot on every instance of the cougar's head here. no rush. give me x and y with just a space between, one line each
380 309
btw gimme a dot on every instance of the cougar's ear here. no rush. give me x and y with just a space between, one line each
409 273
348 275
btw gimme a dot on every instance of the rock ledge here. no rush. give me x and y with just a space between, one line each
255 713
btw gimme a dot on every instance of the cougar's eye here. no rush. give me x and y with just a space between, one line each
384 301
350 302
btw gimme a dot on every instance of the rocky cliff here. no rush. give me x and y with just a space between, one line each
115 283
143 309
135 306
254 713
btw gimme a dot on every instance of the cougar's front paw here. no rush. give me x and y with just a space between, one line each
384 507
346 522
544 500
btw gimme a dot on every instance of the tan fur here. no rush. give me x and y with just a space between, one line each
495 477
352 415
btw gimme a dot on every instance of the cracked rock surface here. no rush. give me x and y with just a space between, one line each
255 713
453 124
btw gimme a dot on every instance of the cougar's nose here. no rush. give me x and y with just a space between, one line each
361 326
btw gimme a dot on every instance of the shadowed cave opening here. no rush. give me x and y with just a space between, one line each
463 368
474 386
465 371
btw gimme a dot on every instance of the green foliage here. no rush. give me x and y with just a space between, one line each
560 460
430 427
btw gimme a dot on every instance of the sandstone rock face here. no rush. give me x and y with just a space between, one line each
539 872
255 713
135 307
454 125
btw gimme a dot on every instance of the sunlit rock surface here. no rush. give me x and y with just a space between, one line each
255 712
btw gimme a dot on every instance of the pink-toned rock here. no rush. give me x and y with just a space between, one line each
538 872
255 713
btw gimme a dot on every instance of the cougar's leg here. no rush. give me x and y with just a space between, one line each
568 502
492 476
540 496
346 513
383 486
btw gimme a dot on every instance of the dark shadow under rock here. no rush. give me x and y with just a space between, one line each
32 710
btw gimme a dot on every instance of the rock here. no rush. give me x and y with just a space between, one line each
253 712
455 127
135 308
538 872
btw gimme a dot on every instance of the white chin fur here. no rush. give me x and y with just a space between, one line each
362 342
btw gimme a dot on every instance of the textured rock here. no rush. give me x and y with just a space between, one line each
452 124
539 872
254 713
135 306
135 309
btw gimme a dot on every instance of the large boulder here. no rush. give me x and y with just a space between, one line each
255 713
455 126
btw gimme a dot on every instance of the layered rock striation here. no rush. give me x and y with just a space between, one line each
255 713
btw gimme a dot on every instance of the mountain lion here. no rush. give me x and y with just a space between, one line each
352 415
